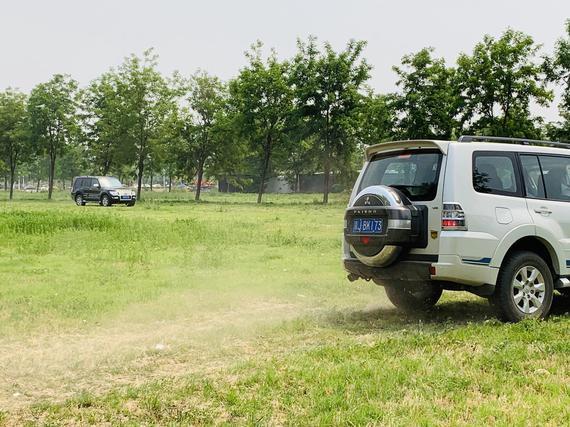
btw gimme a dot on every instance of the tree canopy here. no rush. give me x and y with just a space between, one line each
310 113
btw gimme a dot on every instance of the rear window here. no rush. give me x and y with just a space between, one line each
81 182
556 172
414 173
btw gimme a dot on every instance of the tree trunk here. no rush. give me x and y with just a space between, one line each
106 167
51 174
267 154
38 186
139 177
169 181
327 172
199 182
12 176
151 179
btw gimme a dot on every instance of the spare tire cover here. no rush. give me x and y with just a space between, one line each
379 195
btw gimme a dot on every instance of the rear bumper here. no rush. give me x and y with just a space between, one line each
453 268
448 269
403 271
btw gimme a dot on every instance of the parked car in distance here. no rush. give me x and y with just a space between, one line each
105 190
487 215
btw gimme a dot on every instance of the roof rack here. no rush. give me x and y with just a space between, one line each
522 141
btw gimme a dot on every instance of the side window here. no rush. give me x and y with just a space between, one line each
556 171
494 173
94 181
83 182
532 175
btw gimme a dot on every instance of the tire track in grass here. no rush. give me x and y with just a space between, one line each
53 367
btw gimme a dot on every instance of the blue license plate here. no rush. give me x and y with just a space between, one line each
367 226
125 197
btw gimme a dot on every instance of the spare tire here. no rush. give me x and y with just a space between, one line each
381 223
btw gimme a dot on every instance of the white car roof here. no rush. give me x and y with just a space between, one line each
443 146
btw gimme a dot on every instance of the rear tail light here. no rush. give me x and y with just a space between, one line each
453 217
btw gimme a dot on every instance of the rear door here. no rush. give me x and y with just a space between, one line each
83 187
416 172
91 191
547 183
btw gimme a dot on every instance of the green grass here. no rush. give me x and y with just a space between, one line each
224 311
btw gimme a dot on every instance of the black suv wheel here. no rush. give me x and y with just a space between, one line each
79 200
105 200
412 300
524 288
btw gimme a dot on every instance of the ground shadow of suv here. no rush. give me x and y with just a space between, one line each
105 190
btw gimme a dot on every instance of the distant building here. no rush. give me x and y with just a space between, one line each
309 183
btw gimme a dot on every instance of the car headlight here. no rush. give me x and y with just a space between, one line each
113 193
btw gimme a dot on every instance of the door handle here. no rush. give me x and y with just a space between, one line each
543 210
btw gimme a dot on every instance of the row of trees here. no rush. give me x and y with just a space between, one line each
309 113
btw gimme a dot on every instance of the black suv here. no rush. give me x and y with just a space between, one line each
105 190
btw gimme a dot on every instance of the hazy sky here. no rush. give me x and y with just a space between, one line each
85 38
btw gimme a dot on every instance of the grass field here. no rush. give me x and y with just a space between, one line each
224 311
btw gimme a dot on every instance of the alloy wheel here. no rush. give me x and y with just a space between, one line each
528 289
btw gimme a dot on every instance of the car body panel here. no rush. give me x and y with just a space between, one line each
495 222
84 185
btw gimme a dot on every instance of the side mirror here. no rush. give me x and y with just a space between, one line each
95 185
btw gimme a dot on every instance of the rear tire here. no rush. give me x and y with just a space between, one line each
79 200
414 300
524 289
105 201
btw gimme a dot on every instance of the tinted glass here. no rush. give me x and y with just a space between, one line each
84 182
414 173
532 177
110 182
92 182
556 172
77 183
494 174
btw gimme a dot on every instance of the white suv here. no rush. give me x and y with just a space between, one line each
486 215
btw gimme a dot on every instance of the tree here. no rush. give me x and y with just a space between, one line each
428 102
558 71
207 98
498 82
52 109
145 101
327 93
376 118
104 123
558 68
14 137
262 103
71 164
